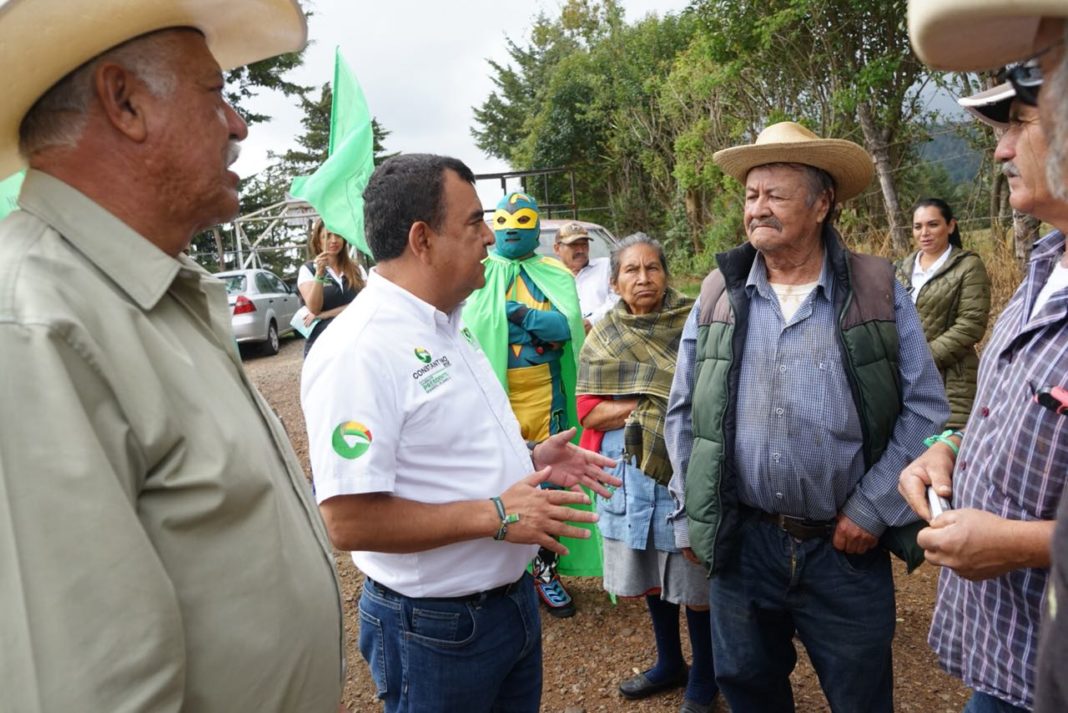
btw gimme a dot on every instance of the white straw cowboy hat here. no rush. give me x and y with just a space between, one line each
786 142
970 35
41 41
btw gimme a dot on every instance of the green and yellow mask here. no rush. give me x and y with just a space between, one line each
516 225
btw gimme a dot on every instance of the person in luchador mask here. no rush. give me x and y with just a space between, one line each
528 323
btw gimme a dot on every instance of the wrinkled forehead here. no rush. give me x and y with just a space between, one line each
783 175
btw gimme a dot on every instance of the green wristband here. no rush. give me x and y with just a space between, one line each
506 520
945 437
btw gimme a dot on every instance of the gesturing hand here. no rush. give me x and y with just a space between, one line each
543 513
573 466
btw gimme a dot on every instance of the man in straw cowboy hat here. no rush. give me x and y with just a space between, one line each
160 547
803 386
1005 482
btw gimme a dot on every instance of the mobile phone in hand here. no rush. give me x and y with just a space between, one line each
937 503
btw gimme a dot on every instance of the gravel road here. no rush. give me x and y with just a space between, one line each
588 655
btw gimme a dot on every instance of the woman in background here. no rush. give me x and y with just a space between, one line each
328 282
625 373
951 290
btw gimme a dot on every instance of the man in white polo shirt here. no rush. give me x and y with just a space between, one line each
419 466
592 277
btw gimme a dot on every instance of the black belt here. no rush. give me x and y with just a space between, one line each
800 528
501 591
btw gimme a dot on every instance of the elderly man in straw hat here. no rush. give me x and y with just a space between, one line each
160 547
1009 474
803 386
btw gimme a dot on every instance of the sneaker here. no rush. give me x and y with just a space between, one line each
555 597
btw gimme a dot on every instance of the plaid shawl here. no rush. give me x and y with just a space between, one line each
634 355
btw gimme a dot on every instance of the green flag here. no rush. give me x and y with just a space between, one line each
336 187
9 192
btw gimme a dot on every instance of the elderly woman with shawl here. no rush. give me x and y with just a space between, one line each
625 373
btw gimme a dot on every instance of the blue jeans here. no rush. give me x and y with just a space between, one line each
436 655
985 703
840 606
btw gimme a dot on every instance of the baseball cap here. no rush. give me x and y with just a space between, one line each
572 232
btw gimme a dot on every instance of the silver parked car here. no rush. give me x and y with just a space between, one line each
261 307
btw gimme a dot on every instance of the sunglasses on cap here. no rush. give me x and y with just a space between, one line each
1026 77
1026 81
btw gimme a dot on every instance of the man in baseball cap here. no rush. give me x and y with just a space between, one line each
1006 471
159 546
974 35
596 296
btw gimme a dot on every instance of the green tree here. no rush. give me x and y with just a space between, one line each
245 83
379 135
842 66
582 95
270 186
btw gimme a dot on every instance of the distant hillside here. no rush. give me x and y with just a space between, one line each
948 148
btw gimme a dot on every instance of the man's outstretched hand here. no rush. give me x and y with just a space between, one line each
573 466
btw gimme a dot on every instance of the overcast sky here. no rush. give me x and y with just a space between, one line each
422 66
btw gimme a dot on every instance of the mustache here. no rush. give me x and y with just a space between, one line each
771 222
1009 170
233 151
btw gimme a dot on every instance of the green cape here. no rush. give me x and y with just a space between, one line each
484 314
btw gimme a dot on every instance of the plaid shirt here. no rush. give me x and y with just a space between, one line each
798 443
1013 463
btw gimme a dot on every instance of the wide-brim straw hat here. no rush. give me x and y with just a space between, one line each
41 41
786 142
972 35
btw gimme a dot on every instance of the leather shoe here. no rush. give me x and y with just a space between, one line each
689 706
641 687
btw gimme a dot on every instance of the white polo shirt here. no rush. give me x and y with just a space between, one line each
398 399
595 292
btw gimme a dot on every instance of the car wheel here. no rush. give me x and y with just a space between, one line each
272 344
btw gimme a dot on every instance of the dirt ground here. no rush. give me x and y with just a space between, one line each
588 655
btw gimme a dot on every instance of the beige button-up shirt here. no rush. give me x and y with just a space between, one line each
159 546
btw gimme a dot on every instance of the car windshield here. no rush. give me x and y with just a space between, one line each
235 284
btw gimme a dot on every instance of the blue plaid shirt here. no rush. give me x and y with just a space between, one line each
1013 462
798 444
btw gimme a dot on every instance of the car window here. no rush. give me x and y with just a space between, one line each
276 284
234 284
263 283
600 246
546 241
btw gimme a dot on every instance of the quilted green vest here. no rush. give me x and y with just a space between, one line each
867 336
954 308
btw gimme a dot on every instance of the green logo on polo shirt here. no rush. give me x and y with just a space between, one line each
422 355
351 439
